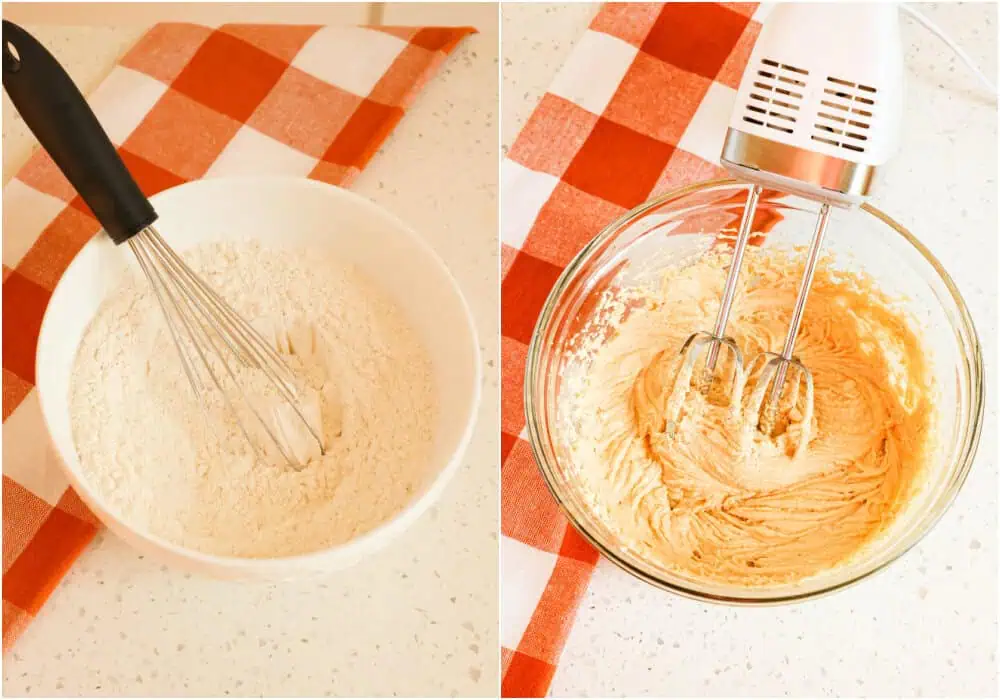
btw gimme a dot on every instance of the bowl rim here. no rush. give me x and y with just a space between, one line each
327 558
532 368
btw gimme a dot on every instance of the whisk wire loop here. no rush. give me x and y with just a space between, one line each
242 338
197 334
202 324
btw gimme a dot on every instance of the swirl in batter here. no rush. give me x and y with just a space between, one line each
694 496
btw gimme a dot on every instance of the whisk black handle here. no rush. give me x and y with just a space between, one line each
59 117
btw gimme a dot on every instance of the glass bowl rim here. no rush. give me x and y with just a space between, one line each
926 522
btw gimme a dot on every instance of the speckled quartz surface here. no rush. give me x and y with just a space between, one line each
927 625
420 618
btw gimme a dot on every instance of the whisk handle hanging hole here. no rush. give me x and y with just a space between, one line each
62 121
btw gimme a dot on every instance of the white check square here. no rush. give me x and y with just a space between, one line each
28 456
707 131
123 100
26 213
523 193
526 573
251 152
594 70
352 58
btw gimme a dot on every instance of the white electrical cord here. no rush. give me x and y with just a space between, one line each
923 20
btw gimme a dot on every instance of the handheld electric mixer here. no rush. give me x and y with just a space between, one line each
817 111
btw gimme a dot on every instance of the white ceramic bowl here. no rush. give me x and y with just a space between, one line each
279 212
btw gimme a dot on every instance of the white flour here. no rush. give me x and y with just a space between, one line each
184 472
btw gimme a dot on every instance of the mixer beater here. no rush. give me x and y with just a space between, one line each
817 110
776 366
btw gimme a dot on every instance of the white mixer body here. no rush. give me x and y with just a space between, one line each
821 100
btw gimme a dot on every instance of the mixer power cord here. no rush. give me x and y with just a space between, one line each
922 19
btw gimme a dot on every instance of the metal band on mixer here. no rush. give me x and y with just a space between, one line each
827 172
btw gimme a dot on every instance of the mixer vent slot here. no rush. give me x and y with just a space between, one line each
831 140
845 114
854 98
776 97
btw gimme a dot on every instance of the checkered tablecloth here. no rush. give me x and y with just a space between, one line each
186 102
640 107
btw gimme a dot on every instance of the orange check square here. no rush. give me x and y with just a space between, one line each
629 21
695 36
513 356
529 514
566 222
507 442
618 164
575 546
44 175
744 8
731 72
440 38
507 255
554 616
15 621
71 504
33 576
181 135
280 40
164 50
364 132
14 391
505 657
406 76
31 514
657 99
552 136
150 177
523 292
526 677
230 76
24 305
331 173
683 169
304 112
61 240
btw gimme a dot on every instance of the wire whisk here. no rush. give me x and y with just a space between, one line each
204 328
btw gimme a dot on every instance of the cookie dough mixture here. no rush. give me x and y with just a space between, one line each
693 496
181 468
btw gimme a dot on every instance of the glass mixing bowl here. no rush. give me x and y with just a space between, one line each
684 224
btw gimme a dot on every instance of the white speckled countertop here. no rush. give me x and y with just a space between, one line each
927 625
418 619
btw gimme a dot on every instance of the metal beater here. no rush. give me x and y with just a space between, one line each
208 333
817 110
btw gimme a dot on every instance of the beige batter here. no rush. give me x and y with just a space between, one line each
696 497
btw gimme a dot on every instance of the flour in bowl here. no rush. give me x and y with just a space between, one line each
181 469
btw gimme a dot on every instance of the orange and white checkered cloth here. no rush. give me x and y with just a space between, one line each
640 107
186 102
